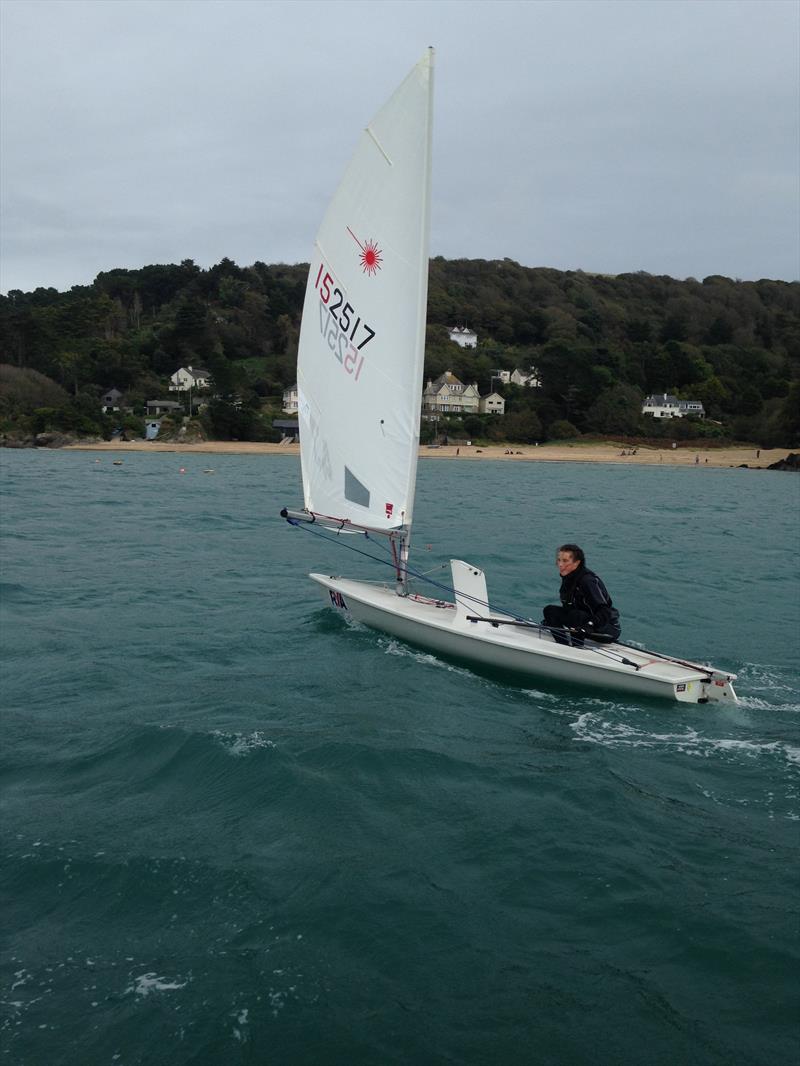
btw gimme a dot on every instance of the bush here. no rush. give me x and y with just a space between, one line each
563 430
24 390
522 427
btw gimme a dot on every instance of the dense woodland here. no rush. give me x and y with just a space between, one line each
599 343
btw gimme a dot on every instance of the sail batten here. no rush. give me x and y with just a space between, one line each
360 362
379 146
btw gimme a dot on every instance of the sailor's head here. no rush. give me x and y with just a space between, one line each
568 558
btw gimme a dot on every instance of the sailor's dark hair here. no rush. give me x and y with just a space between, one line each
575 551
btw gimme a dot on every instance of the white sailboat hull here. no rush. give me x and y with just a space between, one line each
445 628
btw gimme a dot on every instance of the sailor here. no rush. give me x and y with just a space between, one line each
586 609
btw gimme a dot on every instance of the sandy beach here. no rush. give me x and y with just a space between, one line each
543 453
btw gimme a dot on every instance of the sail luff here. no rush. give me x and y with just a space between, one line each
422 306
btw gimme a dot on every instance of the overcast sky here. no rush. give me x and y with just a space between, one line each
608 136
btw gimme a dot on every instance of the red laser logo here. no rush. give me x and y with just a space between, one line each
371 257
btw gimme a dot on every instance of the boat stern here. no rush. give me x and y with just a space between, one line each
716 688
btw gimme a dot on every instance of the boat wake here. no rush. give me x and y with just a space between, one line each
424 658
766 688
593 727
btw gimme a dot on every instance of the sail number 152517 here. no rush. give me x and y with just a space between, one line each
343 314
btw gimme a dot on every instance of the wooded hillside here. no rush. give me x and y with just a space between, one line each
599 343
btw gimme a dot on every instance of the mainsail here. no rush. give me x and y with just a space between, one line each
362 340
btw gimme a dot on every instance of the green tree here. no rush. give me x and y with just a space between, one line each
563 430
616 410
524 427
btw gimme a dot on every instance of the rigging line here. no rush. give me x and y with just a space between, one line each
614 656
571 638
422 575
666 658
463 595
306 528
391 547
433 569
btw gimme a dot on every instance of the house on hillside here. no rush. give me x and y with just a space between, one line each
450 396
493 404
163 407
189 377
664 405
464 337
530 380
290 400
111 401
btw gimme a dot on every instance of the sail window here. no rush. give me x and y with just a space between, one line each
354 491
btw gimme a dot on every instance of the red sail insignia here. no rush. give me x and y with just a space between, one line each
371 256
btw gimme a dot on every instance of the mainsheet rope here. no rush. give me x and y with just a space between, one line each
308 528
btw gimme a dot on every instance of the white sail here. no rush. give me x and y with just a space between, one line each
360 362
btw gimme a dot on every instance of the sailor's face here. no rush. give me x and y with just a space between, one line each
566 563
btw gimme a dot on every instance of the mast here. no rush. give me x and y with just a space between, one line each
422 308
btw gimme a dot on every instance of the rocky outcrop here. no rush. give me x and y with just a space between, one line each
50 439
791 462
16 442
53 439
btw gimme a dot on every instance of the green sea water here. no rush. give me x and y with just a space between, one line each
236 829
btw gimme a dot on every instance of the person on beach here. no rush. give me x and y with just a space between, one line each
586 609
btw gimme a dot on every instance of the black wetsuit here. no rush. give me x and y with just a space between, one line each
585 606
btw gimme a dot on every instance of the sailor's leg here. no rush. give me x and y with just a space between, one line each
553 619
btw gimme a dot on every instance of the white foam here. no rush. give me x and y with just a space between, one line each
402 651
543 697
241 744
151 982
239 1030
592 727
753 703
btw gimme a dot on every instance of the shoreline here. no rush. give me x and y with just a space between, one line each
723 458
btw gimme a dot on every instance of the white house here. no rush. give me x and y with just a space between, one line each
449 395
464 337
663 405
530 380
290 400
493 404
189 377
518 377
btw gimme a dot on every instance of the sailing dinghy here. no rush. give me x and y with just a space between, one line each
359 384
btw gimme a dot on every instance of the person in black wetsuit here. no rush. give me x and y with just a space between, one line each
586 609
